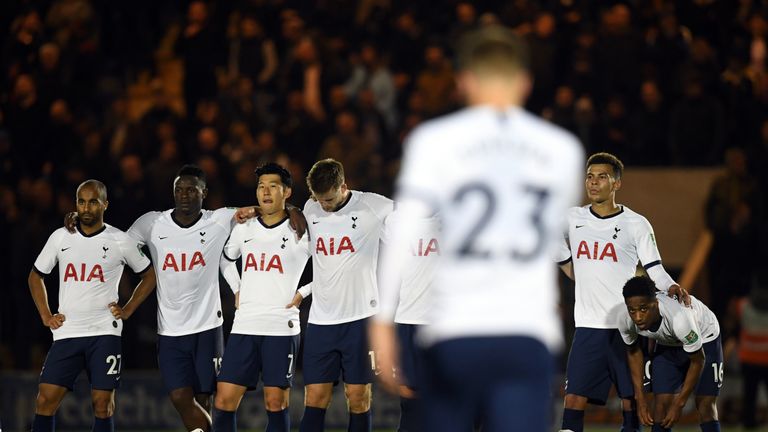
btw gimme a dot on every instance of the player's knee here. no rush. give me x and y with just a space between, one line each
359 398
225 402
182 397
317 396
204 400
275 402
45 405
575 402
707 408
103 407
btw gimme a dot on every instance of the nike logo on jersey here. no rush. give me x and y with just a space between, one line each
163 238
63 249
315 222
289 376
246 241
646 383
579 226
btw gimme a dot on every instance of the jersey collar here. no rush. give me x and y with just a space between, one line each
94 234
181 225
609 216
275 225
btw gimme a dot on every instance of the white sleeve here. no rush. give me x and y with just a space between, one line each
563 253
686 330
229 271
141 229
645 242
48 257
232 249
390 296
305 290
134 256
627 330
225 217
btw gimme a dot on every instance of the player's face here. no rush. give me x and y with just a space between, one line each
644 311
188 194
601 183
331 201
90 206
271 194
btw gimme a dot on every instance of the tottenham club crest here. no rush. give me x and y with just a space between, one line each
105 249
202 235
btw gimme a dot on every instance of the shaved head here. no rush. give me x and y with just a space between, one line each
98 186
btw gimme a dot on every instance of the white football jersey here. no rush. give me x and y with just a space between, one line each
418 272
501 181
345 251
187 266
688 327
273 260
605 252
90 267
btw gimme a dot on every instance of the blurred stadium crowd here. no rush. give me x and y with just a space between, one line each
128 91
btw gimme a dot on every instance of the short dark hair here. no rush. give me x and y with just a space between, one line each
639 286
100 187
607 159
192 171
494 49
273 168
325 175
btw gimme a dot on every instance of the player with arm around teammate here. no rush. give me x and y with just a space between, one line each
345 230
603 244
688 343
501 178
87 327
265 334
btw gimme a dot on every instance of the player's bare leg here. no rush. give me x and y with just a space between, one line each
103 402
629 412
707 408
228 397
662 402
317 399
193 414
276 401
359 403
49 397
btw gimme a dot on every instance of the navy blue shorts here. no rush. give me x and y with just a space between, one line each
100 356
598 358
338 351
410 356
670 365
191 360
505 381
247 357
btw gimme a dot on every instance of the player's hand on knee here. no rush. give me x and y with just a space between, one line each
55 321
296 302
70 221
643 414
673 415
680 294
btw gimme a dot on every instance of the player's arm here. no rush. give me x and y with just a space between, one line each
650 257
145 287
300 295
635 360
691 378
40 296
295 217
567 268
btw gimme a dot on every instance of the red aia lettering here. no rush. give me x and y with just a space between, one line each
609 251
96 273
345 244
172 263
274 263
432 247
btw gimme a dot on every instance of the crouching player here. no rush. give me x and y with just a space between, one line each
687 342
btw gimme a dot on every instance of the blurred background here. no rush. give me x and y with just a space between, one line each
128 91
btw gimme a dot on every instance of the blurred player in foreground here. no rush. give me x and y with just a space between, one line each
502 179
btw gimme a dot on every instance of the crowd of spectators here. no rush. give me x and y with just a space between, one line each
659 83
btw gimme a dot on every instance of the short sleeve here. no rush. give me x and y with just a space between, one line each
686 330
48 257
645 242
225 217
232 249
563 252
142 228
134 256
627 330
